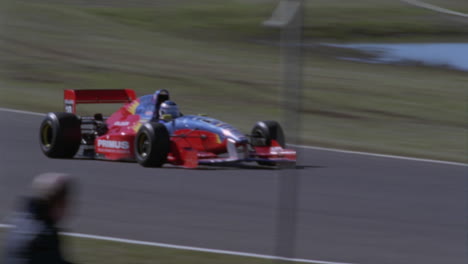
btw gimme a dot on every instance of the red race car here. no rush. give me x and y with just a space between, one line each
152 131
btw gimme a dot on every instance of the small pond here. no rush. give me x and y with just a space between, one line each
453 55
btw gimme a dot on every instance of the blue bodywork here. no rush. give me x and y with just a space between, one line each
148 107
204 123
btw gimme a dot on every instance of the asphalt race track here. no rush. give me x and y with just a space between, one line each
353 208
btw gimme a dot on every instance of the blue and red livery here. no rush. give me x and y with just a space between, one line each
136 132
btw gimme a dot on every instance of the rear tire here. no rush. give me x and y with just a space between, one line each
262 134
60 135
152 145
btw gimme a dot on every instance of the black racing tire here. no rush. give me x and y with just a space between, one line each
60 135
262 134
265 131
152 145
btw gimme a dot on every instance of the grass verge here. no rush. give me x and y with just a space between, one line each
89 251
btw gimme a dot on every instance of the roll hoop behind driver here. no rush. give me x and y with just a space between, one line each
165 110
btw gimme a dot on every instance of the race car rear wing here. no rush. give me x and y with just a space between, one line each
74 97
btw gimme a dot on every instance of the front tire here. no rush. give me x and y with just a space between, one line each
60 135
263 133
152 145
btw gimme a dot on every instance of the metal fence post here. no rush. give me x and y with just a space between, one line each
289 16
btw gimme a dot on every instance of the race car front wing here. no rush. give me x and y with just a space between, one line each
268 154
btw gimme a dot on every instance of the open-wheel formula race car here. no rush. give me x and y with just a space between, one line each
151 130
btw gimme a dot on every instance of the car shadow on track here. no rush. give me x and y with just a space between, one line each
244 167
214 167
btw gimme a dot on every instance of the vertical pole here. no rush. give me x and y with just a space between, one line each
291 94
292 64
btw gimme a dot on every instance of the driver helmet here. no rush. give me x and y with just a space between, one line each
169 108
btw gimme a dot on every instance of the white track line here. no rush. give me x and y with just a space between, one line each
434 8
198 249
309 147
20 112
382 155
207 250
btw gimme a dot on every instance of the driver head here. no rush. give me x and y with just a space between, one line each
169 108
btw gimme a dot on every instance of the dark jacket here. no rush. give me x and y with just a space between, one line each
33 238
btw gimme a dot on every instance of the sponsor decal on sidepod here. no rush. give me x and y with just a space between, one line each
120 123
113 144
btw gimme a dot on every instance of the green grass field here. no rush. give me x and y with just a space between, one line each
209 55
84 251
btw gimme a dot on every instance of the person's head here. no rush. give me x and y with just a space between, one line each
168 108
52 190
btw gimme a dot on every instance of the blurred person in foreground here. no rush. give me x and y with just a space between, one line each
34 236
